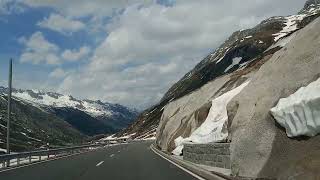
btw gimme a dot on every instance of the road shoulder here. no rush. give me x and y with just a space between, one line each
191 167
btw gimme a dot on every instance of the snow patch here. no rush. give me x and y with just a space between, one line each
290 26
282 42
211 130
3 150
91 108
299 113
223 56
3 126
235 61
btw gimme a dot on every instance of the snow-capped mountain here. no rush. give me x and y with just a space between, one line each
88 116
94 108
33 127
243 51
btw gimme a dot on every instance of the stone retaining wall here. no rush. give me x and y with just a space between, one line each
213 154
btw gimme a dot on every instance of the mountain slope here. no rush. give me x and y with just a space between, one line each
47 117
89 117
32 127
242 52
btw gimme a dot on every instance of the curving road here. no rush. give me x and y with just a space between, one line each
133 161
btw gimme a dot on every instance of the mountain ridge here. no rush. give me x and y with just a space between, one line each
84 118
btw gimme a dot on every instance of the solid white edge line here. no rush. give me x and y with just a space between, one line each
99 163
182 168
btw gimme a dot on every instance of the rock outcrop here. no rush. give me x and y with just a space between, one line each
259 146
181 117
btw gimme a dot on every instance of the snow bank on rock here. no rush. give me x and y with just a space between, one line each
290 26
299 113
211 130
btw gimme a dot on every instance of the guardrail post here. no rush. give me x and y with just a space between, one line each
30 157
40 158
18 161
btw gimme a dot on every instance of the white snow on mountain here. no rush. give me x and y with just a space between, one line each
299 113
291 22
235 61
220 59
3 150
57 100
290 26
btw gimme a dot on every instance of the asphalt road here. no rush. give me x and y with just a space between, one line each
133 161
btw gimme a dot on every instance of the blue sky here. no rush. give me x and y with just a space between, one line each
16 25
127 52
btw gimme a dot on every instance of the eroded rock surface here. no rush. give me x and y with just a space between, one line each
260 147
184 115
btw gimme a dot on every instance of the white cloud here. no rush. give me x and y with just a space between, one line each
82 8
62 24
97 11
75 55
39 50
58 73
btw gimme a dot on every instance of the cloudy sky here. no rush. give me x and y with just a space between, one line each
120 51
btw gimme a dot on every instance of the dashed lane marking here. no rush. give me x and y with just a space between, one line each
100 163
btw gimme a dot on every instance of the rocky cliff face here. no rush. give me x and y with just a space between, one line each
259 146
243 52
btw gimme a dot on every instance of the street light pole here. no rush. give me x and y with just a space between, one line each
9 106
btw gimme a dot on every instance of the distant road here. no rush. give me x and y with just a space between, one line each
122 162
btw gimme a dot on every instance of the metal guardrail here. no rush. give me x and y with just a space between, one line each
16 159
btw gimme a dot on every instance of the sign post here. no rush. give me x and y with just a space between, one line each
9 107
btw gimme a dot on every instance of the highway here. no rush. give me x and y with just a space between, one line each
134 161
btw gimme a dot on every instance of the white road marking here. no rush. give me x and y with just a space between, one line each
111 155
182 168
100 163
